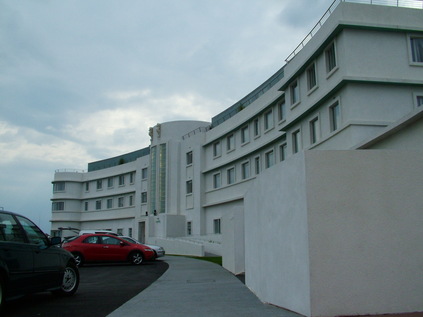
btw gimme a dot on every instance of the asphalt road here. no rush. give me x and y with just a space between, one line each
102 289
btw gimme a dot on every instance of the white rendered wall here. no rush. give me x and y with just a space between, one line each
339 233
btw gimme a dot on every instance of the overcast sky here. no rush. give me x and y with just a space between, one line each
83 80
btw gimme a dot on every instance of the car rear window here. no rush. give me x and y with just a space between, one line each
10 230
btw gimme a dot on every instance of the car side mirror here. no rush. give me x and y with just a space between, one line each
122 244
55 240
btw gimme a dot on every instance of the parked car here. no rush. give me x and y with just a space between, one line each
31 262
107 248
158 250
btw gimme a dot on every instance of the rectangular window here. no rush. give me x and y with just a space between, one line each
334 115
121 180
120 201
282 110
268 120
58 205
131 177
109 203
419 100
131 200
282 152
130 232
59 187
143 197
269 159
216 180
189 228
144 173
416 49
257 165
98 204
86 206
330 57
245 134
231 176
99 184
245 170
256 125
189 158
110 182
314 130
311 77
295 92
230 142
87 186
217 149
189 187
296 142
119 231
216 226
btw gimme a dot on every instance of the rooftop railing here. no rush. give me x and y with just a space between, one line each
69 170
414 4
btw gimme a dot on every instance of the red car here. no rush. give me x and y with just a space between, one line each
107 248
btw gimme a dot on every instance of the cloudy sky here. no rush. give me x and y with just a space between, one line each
83 80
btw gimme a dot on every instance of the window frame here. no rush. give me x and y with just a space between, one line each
188 187
256 127
189 158
269 159
217 149
282 110
230 176
217 177
269 121
245 170
109 203
245 134
257 165
294 90
334 116
230 142
144 198
419 61
314 127
296 141
217 226
311 78
144 173
282 152
331 61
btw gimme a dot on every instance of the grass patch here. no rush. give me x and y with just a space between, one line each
213 259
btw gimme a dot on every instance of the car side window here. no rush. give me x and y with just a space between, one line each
92 240
10 230
34 234
110 240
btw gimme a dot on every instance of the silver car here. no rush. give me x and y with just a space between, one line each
157 249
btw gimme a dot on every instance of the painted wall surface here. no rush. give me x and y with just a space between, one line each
233 245
338 233
365 231
276 237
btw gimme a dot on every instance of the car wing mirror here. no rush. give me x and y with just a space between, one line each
55 240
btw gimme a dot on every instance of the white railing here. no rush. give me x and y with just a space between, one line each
414 4
69 170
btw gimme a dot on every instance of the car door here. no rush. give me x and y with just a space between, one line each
48 267
92 249
113 250
16 255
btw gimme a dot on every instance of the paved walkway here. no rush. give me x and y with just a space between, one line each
197 288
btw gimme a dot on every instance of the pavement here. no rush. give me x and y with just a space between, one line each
197 288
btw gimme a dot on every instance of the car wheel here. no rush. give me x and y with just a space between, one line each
79 259
136 258
70 281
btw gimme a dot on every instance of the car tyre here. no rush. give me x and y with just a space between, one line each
70 281
79 259
136 258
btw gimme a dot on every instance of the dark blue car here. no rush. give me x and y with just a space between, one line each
31 262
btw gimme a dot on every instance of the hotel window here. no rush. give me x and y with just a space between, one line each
256 125
216 226
99 184
231 176
86 206
296 142
87 186
416 49
230 143
311 77
109 203
144 173
245 134
121 180
257 165
282 110
59 187
269 159
314 130
334 115
143 197
98 204
330 57
58 205
132 177
121 201
282 152
189 187
189 228
189 158
419 101
131 200
110 182
245 170
216 180
295 92
268 120
217 149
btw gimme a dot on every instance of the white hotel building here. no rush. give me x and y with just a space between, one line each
312 184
